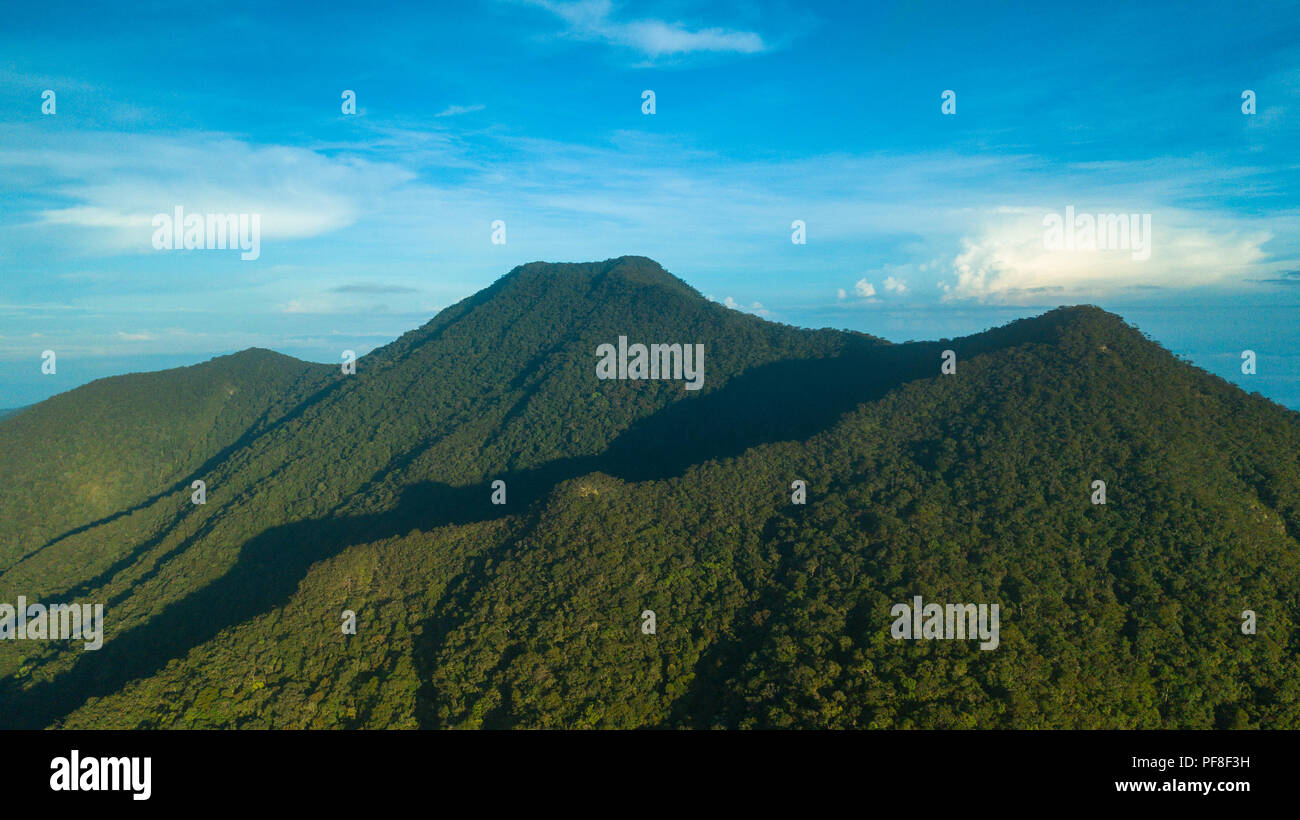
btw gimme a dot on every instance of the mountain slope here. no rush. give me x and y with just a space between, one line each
473 393
92 452
961 489
372 495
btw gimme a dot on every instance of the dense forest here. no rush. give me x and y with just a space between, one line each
372 492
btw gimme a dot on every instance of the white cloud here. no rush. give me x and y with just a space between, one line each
593 20
864 289
943 217
1008 261
755 308
114 183
453 110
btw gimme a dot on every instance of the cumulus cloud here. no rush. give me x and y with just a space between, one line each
864 289
1011 261
755 308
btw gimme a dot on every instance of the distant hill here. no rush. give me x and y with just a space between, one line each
106 447
371 493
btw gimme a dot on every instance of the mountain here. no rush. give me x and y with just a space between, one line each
372 492
106 448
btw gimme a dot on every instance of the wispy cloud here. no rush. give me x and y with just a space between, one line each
594 20
112 184
376 288
454 110
912 227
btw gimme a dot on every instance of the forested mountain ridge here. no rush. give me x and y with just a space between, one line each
107 446
370 492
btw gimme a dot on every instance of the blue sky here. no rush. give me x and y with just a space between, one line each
919 224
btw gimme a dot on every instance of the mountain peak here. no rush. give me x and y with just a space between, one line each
1093 325
256 354
1084 313
638 270
1073 327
